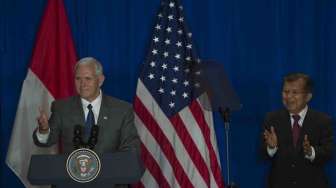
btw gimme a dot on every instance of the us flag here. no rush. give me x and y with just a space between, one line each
179 146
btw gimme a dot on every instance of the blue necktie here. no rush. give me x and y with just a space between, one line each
90 121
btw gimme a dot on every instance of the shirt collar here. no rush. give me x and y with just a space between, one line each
302 115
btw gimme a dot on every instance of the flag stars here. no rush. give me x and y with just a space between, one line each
154 51
185 95
171 104
171 5
156 39
152 64
169 29
166 78
167 41
151 76
158 27
164 66
170 17
161 90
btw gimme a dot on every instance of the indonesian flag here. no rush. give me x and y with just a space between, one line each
50 76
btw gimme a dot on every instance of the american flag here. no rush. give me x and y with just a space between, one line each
179 146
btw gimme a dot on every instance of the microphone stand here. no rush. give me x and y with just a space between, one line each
226 117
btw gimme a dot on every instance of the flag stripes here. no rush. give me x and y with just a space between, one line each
165 144
215 167
170 145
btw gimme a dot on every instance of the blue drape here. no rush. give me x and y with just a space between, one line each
258 41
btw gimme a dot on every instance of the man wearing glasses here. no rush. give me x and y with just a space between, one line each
297 140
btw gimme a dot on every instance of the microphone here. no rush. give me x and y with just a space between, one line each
77 139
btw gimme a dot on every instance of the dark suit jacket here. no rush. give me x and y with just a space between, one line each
117 131
290 169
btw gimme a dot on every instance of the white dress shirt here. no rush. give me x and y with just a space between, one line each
271 151
96 103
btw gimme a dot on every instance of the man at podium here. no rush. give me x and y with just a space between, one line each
102 122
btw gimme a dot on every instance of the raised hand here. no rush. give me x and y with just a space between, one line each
42 121
270 138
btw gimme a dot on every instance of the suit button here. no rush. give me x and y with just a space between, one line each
294 182
293 165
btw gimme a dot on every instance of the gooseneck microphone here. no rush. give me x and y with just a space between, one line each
78 137
93 137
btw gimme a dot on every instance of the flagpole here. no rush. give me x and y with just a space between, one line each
226 117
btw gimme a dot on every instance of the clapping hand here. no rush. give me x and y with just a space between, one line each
270 138
306 146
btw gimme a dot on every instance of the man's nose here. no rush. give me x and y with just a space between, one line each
82 82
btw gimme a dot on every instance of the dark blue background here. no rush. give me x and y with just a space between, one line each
258 41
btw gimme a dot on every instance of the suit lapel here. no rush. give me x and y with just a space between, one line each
78 113
102 112
288 126
305 125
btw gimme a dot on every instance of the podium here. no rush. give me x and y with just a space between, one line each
116 168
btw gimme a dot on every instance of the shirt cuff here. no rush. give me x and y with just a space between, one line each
271 151
312 157
42 138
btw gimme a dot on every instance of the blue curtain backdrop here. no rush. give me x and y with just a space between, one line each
258 41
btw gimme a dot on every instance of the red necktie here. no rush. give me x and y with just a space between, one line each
296 129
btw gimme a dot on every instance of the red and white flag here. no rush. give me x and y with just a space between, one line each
50 76
179 147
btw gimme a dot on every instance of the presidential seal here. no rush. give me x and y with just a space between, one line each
83 165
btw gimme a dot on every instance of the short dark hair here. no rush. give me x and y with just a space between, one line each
297 76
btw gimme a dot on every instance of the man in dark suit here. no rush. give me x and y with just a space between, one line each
297 139
114 117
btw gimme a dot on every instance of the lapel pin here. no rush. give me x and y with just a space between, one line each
105 117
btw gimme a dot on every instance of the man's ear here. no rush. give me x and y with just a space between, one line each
101 79
309 97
